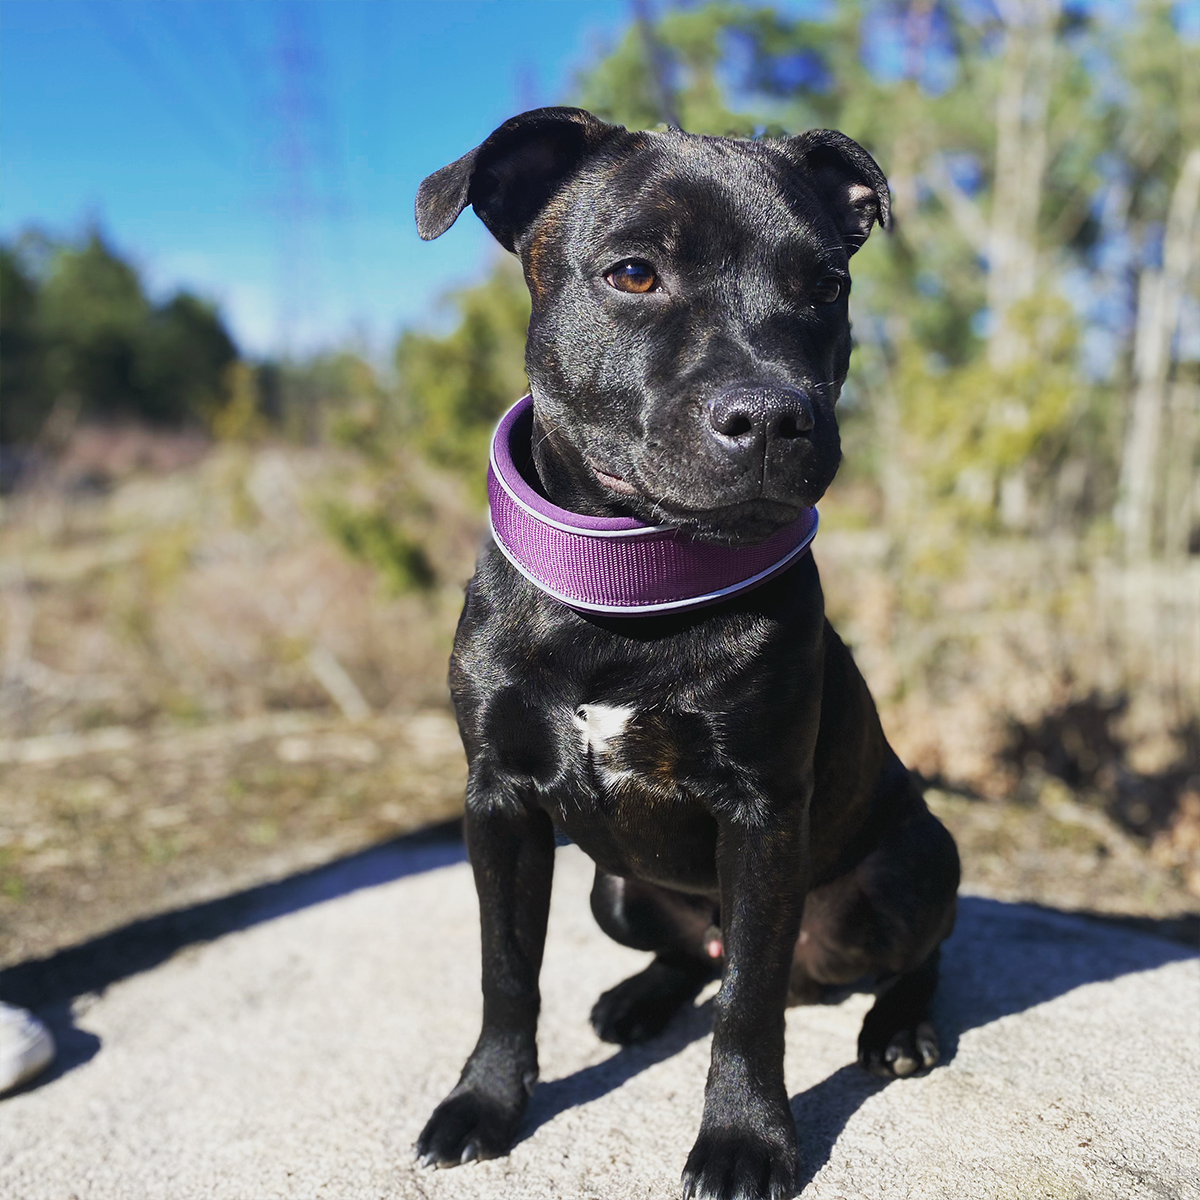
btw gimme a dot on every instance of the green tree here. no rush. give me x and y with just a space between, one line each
182 354
335 395
92 313
625 87
24 395
78 327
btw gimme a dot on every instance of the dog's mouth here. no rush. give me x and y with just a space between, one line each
745 521
614 483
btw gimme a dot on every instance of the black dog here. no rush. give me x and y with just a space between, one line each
688 342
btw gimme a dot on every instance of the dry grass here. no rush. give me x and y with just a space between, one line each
967 647
214 593
98 831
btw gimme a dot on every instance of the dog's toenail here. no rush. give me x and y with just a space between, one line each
927 1044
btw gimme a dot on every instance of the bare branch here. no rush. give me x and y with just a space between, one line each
335 679
964 212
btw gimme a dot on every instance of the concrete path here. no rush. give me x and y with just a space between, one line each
291 1042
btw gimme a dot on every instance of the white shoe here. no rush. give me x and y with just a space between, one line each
26 1046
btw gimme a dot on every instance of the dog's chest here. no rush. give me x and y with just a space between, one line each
619 747
612 747
635 803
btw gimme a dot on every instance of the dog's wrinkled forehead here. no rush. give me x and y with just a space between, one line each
684 191
687 200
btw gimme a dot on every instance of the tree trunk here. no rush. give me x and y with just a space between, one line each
1022 117
1181 501
1160 298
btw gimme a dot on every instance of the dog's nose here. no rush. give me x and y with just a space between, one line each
746 415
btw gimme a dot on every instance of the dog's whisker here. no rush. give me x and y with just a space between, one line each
547 434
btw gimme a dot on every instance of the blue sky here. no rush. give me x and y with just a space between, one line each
266 153
218 140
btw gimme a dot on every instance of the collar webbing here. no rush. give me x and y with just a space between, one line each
617 565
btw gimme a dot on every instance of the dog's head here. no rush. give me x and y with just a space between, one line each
689 334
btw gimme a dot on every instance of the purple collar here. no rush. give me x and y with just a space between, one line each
617 565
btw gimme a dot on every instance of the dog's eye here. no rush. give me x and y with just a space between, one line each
828 291
632 275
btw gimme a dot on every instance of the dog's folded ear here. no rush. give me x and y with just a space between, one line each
847 179
509 178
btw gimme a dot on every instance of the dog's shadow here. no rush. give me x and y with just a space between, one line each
1002 959
590 1083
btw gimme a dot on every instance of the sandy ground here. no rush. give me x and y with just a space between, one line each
290 1042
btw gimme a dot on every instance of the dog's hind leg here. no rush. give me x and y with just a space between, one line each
885 921
679 929
897 1036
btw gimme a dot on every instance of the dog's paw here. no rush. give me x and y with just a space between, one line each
640 1007
467 1126
906 1052
733 1164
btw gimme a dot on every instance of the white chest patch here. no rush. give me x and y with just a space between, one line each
600 725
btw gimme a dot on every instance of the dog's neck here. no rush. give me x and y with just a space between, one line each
592 559
566 480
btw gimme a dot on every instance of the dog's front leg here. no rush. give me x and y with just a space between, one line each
511 847
747 1142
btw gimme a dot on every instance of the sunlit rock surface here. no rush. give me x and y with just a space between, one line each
291 1042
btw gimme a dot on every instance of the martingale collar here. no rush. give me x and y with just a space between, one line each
617 565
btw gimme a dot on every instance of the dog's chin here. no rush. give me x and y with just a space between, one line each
738 523
742 524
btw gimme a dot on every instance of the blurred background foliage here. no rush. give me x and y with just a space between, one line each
1027 337
453 388
1013 545
77 330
